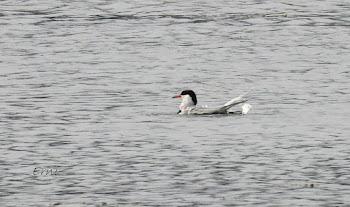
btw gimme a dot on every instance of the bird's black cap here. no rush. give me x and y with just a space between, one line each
192 94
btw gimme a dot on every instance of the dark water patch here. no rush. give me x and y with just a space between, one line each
198 21
114 16
70 192
30 12
16 117
59 143
179 18
112 107
22 148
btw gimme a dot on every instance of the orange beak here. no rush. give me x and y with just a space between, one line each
177 96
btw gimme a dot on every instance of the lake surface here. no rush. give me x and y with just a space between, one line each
87 117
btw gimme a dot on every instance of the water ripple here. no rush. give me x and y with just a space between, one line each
88 120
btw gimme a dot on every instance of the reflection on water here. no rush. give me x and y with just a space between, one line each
85 92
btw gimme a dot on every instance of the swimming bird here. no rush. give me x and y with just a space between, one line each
189 105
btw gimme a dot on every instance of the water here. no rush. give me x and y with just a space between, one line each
85 91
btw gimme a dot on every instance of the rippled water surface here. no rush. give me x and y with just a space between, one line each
85 91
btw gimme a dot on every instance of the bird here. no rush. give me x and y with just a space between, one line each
189 105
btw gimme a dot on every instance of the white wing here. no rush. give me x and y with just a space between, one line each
219 110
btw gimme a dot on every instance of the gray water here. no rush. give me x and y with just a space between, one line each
86 91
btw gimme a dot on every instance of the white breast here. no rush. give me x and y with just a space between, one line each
186 103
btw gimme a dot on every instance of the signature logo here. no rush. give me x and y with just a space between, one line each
39 171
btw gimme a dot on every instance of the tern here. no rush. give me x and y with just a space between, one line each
189 105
